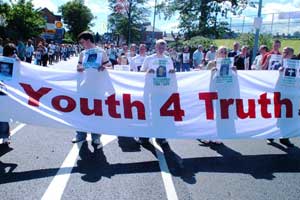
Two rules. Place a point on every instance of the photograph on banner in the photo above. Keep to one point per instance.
(122, 67)
(275, 62)
(289, 78)
(92, 58)
(161, 75)
(224, 70)
(6, 68)
(225, 82)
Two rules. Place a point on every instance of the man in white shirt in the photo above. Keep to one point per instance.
(29, 49)
(97, 59)
(156, 62)
(138, 60)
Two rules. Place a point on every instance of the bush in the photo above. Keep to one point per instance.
(193, 43)
(248, 39)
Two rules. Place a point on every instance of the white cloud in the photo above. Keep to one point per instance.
(45, 4)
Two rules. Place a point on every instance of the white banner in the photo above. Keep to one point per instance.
(198, 104)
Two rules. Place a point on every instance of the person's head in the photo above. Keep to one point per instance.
(160, 46)
(212, 48)
(276, 45)
(200, 48)
(244, 50)
(236, 46)
(142, 49)
(263, 49)
(29, 42)
(9, 50)
(125, 47)
(86, 39)
(287, 52)
(222, 52)
(186, 49)
(133, 47)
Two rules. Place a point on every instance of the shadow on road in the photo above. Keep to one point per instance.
(93, 165)
(128, 144)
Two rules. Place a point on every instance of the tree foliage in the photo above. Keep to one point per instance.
(22, 21)
(129, 23)
(199, 17)
(77, 17)
(248, 39)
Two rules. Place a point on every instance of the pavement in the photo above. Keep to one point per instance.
(42, 163)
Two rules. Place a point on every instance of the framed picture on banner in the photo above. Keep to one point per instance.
(92, 58)
(275, 62)
(6, 68)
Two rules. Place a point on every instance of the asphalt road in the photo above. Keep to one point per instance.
(42, 163)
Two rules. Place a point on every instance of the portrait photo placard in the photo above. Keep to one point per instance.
(6, 68)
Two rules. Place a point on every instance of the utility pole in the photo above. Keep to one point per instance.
(257, 31)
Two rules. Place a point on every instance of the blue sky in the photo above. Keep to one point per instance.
(100, 9)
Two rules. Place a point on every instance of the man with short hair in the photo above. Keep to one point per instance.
(29, 50)
(154, 63)
(98, 59)
(138, 60)
(267, 56)
(198, 57)
(235, 51)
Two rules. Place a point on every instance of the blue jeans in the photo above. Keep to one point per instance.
(82, 135)
(4, 130)
(186, 67)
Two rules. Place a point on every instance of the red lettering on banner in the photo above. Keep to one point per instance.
(71, 103)
(264, 102)
(279, 102)
(128, 107)
(112, 104)
(240, 109)
(208, 97)
(97, 108)
(34, 96)
(177, 113)
(224, 104)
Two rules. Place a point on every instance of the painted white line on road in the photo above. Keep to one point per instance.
(165, 173)
(57, 186)
(19, 127)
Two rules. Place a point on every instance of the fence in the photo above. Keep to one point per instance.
(284, 24)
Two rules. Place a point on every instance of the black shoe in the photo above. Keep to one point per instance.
(270, 141)
(286, 142)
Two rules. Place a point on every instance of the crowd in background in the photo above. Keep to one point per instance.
(42, 53)
(184, 59)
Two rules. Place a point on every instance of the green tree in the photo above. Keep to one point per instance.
(77, 17)
(128, 22)
(199, 17)
(22, 20)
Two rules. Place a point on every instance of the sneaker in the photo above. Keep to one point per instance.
(96, 141)
(78, 139)
(270, 141)
(286, 142)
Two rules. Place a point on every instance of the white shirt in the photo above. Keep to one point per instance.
(154, 61)
(137, 61)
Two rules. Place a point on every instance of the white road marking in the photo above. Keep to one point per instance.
(19, 127)
(165, 173)
(57, 186)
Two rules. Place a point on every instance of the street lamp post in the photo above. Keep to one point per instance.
(153, 30)
(257, 32)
